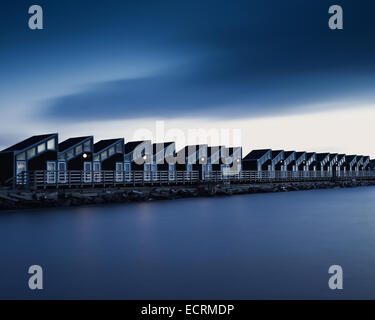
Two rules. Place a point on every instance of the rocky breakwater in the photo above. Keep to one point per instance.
(20, 199)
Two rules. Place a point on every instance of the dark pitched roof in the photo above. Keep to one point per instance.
(29, 142)
(275, 153)
(72, 142)
(300, 154)
(332, 156)
(288, 153)
(321, 156)
(256, 154)
(130, 146)
(309, 155)
(190, 150)
(102, 144)
(350, 158)
(156, 147)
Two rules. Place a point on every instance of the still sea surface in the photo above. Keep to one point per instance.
(276, 245)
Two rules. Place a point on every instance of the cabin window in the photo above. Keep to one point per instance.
(154, 167)
(51, 144)
(87, 146)
(96, 158)
(147, 167)
(61, 157)
(111, 151)
(126, 167)
(41, 148)
(51, 174)
(97, 173)
(21, 156)
(62, 176)
(103, 155)
(79, 150)
(30, 153)
(171, 167)
(70, 154)
(119, 148)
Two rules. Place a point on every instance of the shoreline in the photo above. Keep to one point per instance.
(30, 199)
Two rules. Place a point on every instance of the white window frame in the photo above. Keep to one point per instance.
(51, 172)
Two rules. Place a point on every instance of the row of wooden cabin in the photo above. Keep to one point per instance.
(44, 152)
(280, 160)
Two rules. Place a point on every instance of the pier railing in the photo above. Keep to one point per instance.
(73, 179)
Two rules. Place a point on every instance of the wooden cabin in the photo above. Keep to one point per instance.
(300, 160)
(366, 161)
(311, 162)
(371, 165)
(341, 164)
(138, 158)
(351, 162)
(75, 154)
(277, 162)
(332, 163)
(138, 155)
(215, 157)
(35, 153)
(193, 158)
(322, 161)
(235, 156)
(164, 158)
(289, 161)
(109, 156)
(257, 160)
(359, 165)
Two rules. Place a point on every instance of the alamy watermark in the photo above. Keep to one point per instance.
(336, 281)
(335, 22)
(36, 280)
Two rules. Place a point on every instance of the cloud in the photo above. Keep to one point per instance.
(241, 59)
(200, 93)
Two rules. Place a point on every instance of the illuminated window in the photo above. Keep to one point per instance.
(31, 153)
(96, 158)
(41, 148)
(111, 151)
(79, 150)
(61, 156)
(87, 146)
(21, 156)
(51, 144)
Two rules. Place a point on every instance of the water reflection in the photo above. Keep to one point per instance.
(250, 246)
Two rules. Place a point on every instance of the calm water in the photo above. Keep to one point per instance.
(250, 246)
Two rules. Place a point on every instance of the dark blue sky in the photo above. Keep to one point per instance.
(128, 59)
